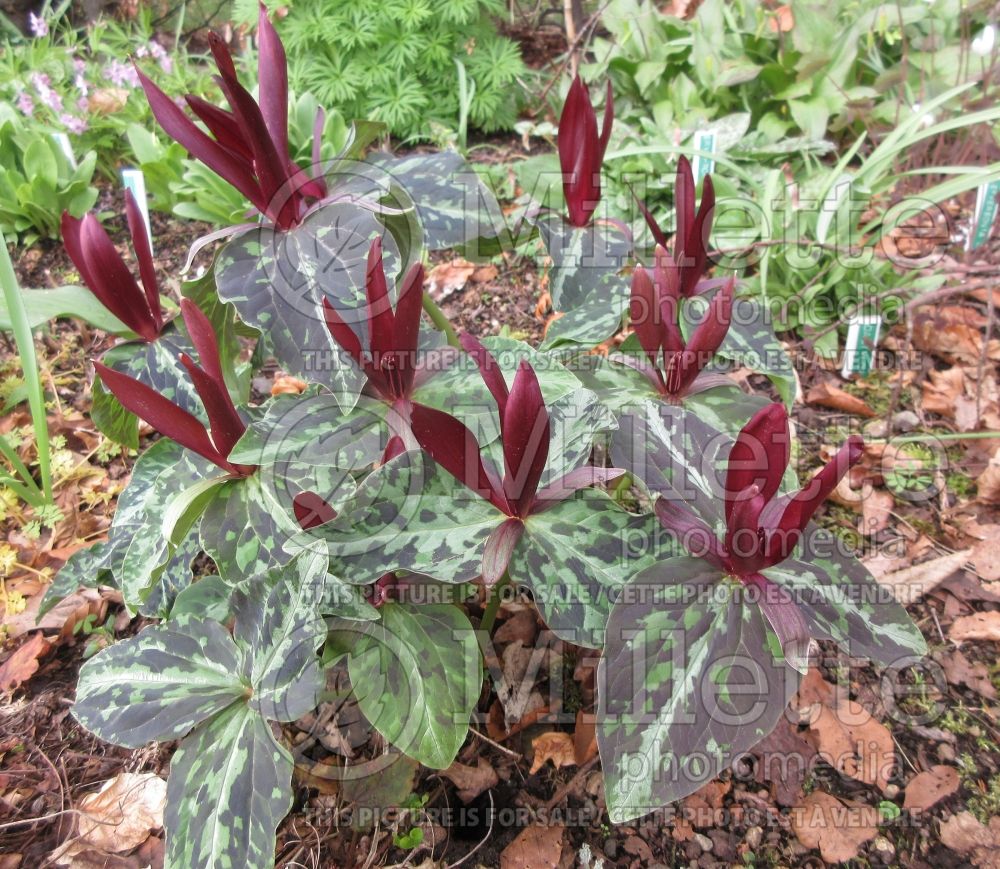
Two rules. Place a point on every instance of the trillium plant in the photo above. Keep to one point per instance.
(367, 528)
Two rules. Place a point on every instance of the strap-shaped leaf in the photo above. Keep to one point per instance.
(417, 674)
(160, 683)
(692, 675)
(575, 557)
(408, 515)
(229, 788)
(841, 601)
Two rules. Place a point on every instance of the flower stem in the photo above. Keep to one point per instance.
(493, 604)
(441, 321)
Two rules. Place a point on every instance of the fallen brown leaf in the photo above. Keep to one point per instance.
(876, 511)
(978, 626)
(838, 829)
(485, 274)
(958, 669)
(119, 817)
(471, 781)
(988, 482)
(782, 20)
(447, 278)
(912, 583)
(985, 558)
(828, 394)
(968, 836)
(930, 787)
(584, 737)
(556, 746)
(107, 101)
(945, 336)
(23, 662)
(288, 385)
(536, 847)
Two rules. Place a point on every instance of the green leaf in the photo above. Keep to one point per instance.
(408, 515)
(229, 788)
(160, 683)
(576, 556)
(585, 262)
(70, 301)
(843, 602)
(455, 209)
(594, 318)
(692, 675)
(417, 675)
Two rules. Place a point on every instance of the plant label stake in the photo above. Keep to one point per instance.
(62, 140)
(134, 180)
(984, 215)
(704, 141)
(862, 338)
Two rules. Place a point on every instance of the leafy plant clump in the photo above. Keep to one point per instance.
(401, 63)
(351, 524)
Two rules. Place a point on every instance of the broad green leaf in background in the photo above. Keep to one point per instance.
(417, 675)
(69, 301)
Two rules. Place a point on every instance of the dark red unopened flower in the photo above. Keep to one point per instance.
(525, 432)
(248, 146)
(106, 275)
(581, 151)
(693, 227)
(225, 425)
(389, 362)
(675, 365)
(761, 530)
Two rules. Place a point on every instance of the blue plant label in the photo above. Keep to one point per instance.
(862, 338)
(134, 180)
(985, 214)
(704, 140)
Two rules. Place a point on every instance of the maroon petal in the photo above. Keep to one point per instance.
(226, 164)
(525, 431)
(272, 75)
(106, 266)
(568, 484)
(693, 534)
(695, 253)
(683, 207)
(659, 236)
(455, 449)
(225, 423)
(644, 314)
(162, 414)
(743, 540)
(407, 324)
(395, 447)
(489, 369)
(759, 456)
(144, 254)
(499, 549)
(311, 510)
(381, 321)
(785, 618)
(203, 337)
(341, 332)
(579, 156)
(709, 335)
(72, 229)
(223, 125)
(667, 283)
(801, 506)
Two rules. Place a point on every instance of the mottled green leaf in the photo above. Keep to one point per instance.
(692, 675)
(417, 675)
(584, 260)
(575, 556)
(229, 787)
(160, 683)
(594, 318)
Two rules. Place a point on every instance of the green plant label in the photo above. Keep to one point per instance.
(862, 338)
(985, 213)
(704, 141)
